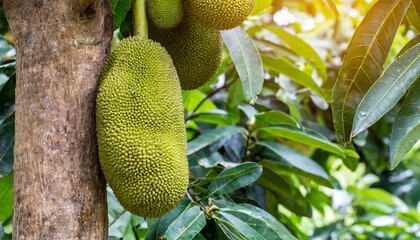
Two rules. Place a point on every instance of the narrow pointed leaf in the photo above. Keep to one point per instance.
(121, 227)
(312, 169)
(280, 65)
(274, 117)
(228, 228)
(247, 232)
(364, 61)
(388, 89)
(157, 231)
(406, 129)
(211, 140)
(120, 8)
(187, 225)
(299, 135)
(266, 225)
(234, 178)
(247, 61)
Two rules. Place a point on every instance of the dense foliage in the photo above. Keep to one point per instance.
(266, 160)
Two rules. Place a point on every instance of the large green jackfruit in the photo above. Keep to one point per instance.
(195, 50)
(220, 14)
(165, 13)
(140, 128)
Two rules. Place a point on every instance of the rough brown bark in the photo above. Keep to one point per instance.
(59, 191)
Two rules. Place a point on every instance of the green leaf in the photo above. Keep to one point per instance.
(363, 64)
(217, 116)
(187, 225)
(199, 237)
(274, 117)
(302, 48)
(6, 197)
(211, 161)
(234, 178)
(235, 147)
(388, 89)
(280, 65)
(230, 230)
(374, 199)
(211, 140)
(126, 25)
(234, 228)
(120, 8)
(413, 15)
(247, 61)
(262, 222)
(297, 160)
(284, 191)
(248, 110)
(236, 94)
(299, 135)
(192, 99)
(115, 209)
(161, 225)
(121, 227)
(406, 128)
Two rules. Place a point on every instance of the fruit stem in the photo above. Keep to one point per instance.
(139, 18)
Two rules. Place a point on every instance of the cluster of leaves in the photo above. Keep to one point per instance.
(256, 167)
(363, 92)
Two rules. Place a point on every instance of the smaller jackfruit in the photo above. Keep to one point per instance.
(220, 14)
(140, 128)
(165, 13)
(195, 50)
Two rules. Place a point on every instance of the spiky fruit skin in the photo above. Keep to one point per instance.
(140, 128)
(165, 13)
(220, 14)
(195, 50)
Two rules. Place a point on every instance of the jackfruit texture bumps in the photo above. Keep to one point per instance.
(195, 50)
(220, 14)
(140, 128)
(165, 13)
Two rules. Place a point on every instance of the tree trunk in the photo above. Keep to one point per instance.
(61, 45)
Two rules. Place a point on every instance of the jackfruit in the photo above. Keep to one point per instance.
(165, 13)
(220, 14)
(140, 128)
(195, 50)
